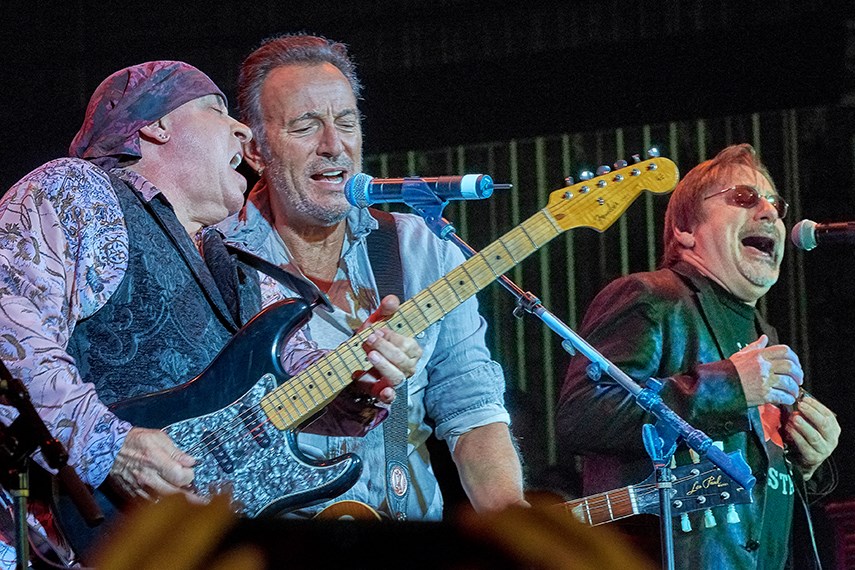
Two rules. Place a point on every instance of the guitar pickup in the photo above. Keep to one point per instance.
(255, 426)
(212, 442)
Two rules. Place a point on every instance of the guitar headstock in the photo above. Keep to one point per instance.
(695, 487)
(704, 486)
(599, 201)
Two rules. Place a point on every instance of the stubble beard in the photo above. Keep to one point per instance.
(759, 273)
(321, 215)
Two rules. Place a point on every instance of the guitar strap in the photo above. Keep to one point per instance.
(385, 256)
(216, 253)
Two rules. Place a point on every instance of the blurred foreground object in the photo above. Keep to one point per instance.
(177, 535)
(544, 537)
(174, 534)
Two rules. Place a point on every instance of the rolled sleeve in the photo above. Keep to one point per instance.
(466, 387)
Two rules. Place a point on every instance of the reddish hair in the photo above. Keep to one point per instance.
(684, 208)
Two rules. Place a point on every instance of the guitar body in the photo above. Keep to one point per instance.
(348, 511)
(216, 417)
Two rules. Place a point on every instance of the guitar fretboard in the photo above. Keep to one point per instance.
(605, 507)
(306, 394)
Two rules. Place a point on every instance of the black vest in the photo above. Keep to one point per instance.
(167, 320)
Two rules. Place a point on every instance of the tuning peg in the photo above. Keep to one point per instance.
(685, 523)
(569, 181)
(636, 158)
(709, 519)
(673, 462)
(653, 152)
(620, 164)
(694, 455)
(586, 175)
(732, 515)
(603, 170)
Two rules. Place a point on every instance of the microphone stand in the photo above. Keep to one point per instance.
(660, 440)
(20, 440)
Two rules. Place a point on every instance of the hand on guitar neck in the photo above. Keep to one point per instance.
(394, 356)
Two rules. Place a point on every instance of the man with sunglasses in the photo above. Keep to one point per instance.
(693, 324)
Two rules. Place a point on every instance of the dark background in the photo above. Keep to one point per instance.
(454, 72)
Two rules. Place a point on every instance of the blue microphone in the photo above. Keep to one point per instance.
(363, 190)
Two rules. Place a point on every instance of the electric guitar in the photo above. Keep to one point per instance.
(695, 487)
(239, 417)
(700, 486)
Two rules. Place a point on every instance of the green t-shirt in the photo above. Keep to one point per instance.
(774, 537)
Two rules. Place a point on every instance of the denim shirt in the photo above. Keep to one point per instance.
(457, 386)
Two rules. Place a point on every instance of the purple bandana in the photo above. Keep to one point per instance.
(130, 99)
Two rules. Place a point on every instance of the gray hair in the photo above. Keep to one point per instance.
(289, 49)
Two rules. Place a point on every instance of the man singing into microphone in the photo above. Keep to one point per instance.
(693, 324)
(299, 95)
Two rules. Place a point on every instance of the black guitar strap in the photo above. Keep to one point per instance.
(385, 256)
(216, 253)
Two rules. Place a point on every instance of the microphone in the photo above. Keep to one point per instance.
(807, 234)
(363, 190)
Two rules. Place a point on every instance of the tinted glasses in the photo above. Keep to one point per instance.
(748, 197)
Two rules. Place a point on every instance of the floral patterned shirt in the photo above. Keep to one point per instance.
(63, 253)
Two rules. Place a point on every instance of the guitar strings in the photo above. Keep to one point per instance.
(549, 214)
(565, 207)
(290, 389)
(601, 503)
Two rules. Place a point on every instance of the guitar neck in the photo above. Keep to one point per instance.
(605, 507)
(290, 404)
(594, 203)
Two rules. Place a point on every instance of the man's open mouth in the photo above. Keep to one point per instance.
(334, 176)
(761, 243)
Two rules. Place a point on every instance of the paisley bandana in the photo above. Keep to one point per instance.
(130, 99)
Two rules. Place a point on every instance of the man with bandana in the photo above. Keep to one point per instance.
(104, 295)
(693, 325)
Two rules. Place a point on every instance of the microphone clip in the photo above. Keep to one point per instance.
(419, 196)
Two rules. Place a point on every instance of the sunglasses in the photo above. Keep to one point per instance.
(748, 197)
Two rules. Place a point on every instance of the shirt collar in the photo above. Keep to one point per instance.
(138, 181)
(254, 222)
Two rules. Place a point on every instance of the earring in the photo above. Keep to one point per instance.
(260, 170)
(163, 136)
